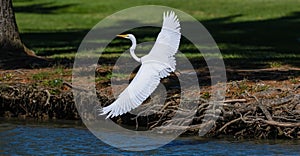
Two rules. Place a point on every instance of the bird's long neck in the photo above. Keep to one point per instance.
(132, 48)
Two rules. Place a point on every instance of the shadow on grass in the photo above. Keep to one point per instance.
(41, 8)
(256, 43)
(52, 43)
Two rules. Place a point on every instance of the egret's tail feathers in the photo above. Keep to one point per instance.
(171, 21)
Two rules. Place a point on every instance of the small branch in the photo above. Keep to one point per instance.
(262, 107)
(73, 87)
(234, 100)
(283, 101)
(281, 124)
(229, 123)
(48, 97)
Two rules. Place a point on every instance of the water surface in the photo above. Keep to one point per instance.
(71, 138)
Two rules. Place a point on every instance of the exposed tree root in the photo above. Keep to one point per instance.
(247, 112)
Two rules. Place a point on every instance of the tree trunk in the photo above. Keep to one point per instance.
(12, 50)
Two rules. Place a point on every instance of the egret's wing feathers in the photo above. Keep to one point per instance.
(156, 65)
(170, 32)
(167, 42)
(140, 88)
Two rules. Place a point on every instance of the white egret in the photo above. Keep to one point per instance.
(156, 65)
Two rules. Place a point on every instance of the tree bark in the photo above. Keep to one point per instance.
(12, 50)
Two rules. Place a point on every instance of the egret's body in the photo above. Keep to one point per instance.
(156, 65)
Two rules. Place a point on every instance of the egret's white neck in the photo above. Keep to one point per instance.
(132, 48)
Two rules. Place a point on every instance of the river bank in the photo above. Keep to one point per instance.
(252, 109)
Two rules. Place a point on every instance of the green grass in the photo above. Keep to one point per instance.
(249, 33)
(40, 76)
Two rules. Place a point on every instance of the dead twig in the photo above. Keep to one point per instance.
(74, 87)
(48, 97)
(234, 100)
(262, 107)
(229, 123)
(280, 124)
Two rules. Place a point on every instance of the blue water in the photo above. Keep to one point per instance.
(57, 139)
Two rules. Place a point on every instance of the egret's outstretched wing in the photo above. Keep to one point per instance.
(167, 42)
(140, 88)
(156, 65)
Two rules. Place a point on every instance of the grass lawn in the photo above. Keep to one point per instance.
(249, 33)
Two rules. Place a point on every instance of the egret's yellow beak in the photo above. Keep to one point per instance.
(123, 36)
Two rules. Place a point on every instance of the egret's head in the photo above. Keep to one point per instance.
(128, 36)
